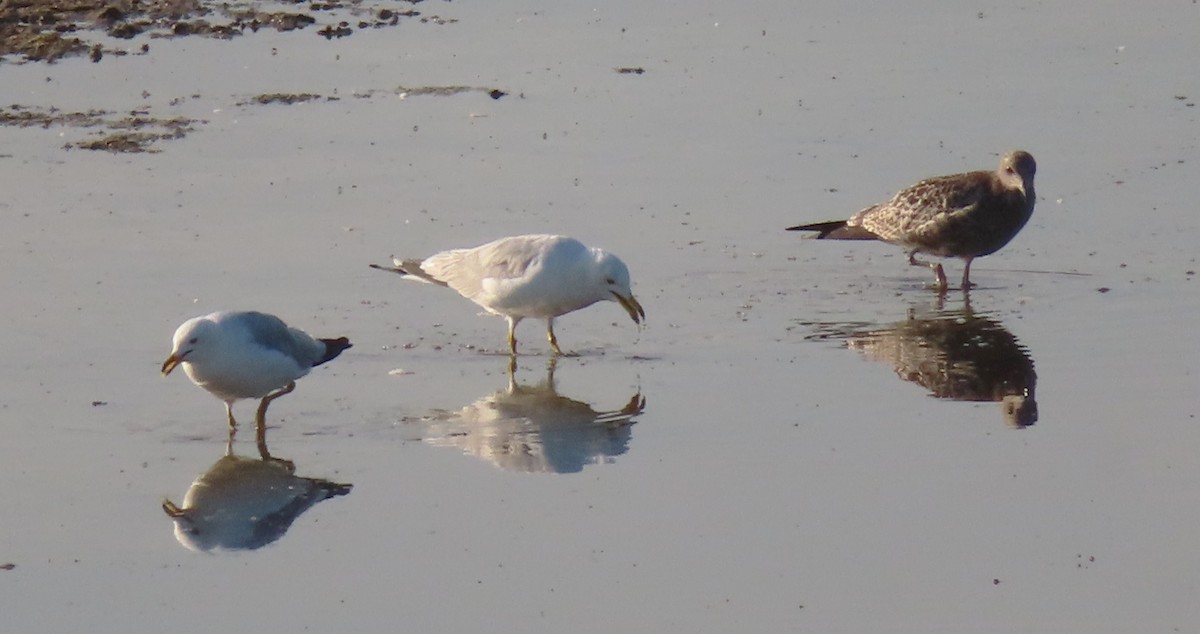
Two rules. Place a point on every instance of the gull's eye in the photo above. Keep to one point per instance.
(610, 280)
(193, 340)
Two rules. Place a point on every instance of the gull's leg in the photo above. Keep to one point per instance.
(229, 415)
(936, 267)
(966, 281)
(550, 335)
(550, 367)
(512, 334)
(261, 417)
(260, 439)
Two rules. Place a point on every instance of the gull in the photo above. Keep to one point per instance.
(542, 276)
(962, 215)
(237, 355)
(531, 427)
(244, 503)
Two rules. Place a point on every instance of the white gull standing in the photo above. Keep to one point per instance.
(237, 355)
(541, 276)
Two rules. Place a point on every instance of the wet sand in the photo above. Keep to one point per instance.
(791, 466)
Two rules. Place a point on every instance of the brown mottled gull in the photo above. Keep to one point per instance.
(962, 215)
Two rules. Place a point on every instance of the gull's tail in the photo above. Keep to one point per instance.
(410, 269)
(333, 347)
(835, 230)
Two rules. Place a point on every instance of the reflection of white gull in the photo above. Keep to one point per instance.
(236, 355)
(534, 429)
(956, 355)
(963, 215)
(244, 503)
(539, 276)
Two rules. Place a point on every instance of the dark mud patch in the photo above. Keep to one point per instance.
(133, 132)
(437, 91)
(284, 98)
(25, 117)
(49, 30)
(139, 131)
(403, 92)
(135, 141)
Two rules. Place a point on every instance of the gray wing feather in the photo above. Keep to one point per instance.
(269, 331)
(475, 272)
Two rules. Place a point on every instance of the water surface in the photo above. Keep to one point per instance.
(790, 468)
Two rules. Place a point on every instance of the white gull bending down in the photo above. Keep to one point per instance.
(237, 355)
(540, 276)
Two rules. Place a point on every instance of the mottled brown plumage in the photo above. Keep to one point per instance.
(962, 215)
(955, 354)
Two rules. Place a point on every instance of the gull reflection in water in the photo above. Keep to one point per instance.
(244, 503)
(531, 428)
(955, 354)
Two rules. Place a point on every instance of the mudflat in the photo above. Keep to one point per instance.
(803, 435)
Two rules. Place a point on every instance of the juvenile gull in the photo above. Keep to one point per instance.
(540, 276)
(237, 355)
(963, 215)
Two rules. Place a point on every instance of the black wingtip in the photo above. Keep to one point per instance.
(334, 347)
(835, 230)
(389, 269)
(823, 228)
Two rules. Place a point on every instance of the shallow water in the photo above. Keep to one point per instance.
(794, 465)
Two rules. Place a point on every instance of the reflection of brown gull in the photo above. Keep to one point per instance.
(534, 429)
(956, 355)
(963, 215)
(244, 503)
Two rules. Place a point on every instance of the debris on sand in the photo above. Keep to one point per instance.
(39, 31)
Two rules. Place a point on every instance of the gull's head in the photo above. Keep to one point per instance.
(1017, 170)
(614, 279)
(192, 339)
